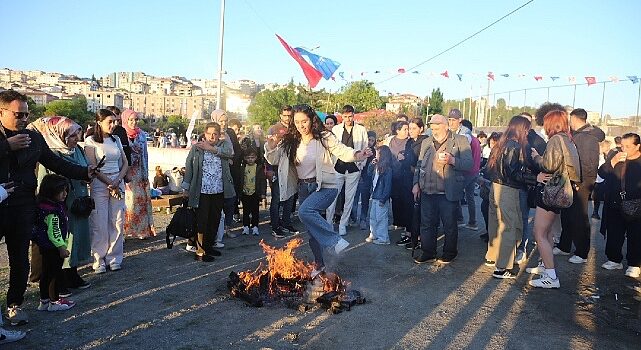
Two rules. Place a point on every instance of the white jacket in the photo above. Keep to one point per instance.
(359, 136)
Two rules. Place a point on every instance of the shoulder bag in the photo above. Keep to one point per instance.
(630, 208)
(557, 192)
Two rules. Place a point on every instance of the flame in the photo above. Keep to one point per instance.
(285, 273)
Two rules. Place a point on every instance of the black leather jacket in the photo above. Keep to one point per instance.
(509, 168)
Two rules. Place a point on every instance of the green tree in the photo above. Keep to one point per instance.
(436, 102)
(266, 106)
(178, 123)
(362, 95)
(35, 110)
(75, 108)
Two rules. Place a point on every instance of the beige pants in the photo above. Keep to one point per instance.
(505, 227)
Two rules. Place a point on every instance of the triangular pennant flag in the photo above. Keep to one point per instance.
(312, 74)
(322, 64)
(590, 80)
(415, 72)
(460, 77)
(633, 78)
(505, 75)
(490, 76)
(445, 74)
(538, 77)
(342, 75)
(401, 70)
(362, 74)
(521, 75)
(333, 78)
(554, 78)
(572, 80)
(614, 79)
(377, 71)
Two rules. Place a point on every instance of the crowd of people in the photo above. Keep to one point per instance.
(417, 178)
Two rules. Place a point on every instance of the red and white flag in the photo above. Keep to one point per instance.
(590, 80)
(445, 74)
(490, 76)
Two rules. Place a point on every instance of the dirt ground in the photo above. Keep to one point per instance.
(163, 299)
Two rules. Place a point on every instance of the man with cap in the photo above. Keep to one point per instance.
(455, 122)
(443, 160)
(219, 116)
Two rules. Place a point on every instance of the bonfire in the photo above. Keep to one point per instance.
(287, 278)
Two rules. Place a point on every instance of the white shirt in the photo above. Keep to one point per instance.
(110, 149)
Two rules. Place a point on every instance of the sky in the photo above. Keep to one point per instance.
(167, 37)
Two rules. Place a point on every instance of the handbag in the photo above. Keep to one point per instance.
(557, 192)
(630, 208)
(82, 206)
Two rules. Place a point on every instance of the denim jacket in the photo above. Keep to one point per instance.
(383, 189)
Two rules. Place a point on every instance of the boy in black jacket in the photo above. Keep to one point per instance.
(254, 187)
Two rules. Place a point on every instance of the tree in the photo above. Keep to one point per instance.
(265, 108)
(75, 108)
(362, 95)
(436, 102)
(35, 110)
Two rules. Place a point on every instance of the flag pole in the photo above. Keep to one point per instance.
(602, 100)
(638, 98)
(574, 96)
(220, 54)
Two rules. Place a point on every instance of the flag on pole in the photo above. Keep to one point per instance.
(490, 76)
(590, 80)
(633, 78)
(401, 70)
(538, 78)
(572, 80)
(312, 74)
(322, 64)
(554, 78)
(445, 74)
(505, 75)
(614, 79)
(460, 77)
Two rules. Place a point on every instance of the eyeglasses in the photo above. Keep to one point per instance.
(18, 115)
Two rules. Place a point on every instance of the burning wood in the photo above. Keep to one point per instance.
(286, 278)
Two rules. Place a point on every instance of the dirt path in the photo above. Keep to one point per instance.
(164, 299)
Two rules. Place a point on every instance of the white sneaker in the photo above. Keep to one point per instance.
(340, 246)
(611, 265)
(7, 336)
(190, 248)
(557, 251)
(342, 230)
(380, 242)
(218, 245)
(114, 267)
(255, 231)
(633, 271)
(545, 282)
(370, 238)
(245, 230)
(100, 269)
(538, 270)
(61, 305)
(575, 259)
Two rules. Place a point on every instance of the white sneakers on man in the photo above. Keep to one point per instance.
(611, 265)
(575, 259)
(557, 251)
(545, 282)
(633, 271)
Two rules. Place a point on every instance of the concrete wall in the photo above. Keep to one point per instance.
(167, 158)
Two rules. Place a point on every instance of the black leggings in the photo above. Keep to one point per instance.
(208, 218)
(51, 278)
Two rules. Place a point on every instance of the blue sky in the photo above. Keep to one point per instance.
(163, 38)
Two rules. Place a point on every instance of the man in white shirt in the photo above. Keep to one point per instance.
(355, 136)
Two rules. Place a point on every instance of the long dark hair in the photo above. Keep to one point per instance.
(291, 141)
(517, 130)
(384, 162)
(101, 115)
(52, 185)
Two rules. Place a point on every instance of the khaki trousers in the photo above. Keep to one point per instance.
(505, 227)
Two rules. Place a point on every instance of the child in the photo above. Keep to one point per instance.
(364, 190)
(381, 171)
(50, 234)
(253, 190)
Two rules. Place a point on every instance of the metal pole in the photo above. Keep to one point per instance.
(574, 96)
(548, 94)
(638, 98)
(602, 100)
(524, 97)
(220, 54)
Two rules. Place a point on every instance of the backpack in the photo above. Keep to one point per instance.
(182, 224)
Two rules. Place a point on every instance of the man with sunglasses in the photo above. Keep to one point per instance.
(20, 151)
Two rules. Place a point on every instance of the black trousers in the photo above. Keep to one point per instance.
(251, 204)
(208, 218)
(16, 223)
(617, 230)
(435, 208)
(575, 224)
(51, 278)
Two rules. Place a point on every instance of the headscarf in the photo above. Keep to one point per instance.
(56, 131)
(124, 117)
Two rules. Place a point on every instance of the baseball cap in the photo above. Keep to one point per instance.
(438, 119)
(276, 129)
(455, 113)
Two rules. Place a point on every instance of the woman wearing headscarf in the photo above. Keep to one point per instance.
(62, 135)
(139, 222)
(402, 203)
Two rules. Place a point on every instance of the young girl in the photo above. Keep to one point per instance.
(381, 171)
(50, 234)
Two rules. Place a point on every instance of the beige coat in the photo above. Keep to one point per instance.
(325, 173)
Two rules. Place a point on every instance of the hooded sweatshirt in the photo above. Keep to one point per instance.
(587, 139)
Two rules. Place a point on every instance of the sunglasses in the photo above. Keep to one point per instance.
(18, 115)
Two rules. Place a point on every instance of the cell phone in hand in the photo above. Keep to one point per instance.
(101, 163)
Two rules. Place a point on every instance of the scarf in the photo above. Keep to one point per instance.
(124, 117)
(397, 145)
(56, 132)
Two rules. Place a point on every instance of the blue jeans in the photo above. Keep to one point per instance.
(311, 205)
(436, 208)
(525, 213)
(364, 192)
(276, 204)
(378, 220)
(470, 187)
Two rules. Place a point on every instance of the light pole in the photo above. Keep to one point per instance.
(220, 53)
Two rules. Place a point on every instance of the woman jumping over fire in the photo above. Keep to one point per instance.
(304, 159)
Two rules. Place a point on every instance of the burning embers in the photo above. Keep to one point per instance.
(287, 279)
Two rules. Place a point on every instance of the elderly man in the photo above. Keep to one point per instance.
(20, 151)
(443, 160)
(355, 136)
